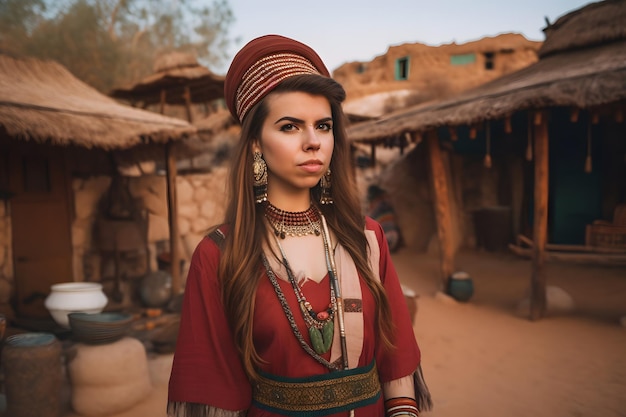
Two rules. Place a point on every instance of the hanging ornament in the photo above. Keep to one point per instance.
(508, 128)
(588, 164)
(595, 118)
(453, 135)
(472, 133)
(487, 160)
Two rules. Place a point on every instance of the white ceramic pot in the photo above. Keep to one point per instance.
(74, 297)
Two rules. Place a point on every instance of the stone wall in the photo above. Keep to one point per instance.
(201, 204)
(198, 210)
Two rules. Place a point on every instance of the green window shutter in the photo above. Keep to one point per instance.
(464, 59)
(402, 68)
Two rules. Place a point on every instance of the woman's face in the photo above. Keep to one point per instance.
(296, 142)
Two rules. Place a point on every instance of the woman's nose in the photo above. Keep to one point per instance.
(311, 141)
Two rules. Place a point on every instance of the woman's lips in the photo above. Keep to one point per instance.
(312, 166)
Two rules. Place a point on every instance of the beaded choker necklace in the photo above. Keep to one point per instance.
(293, 223)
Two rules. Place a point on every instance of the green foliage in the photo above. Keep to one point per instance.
(111, 43)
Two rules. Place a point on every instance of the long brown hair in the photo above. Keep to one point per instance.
(240, 266)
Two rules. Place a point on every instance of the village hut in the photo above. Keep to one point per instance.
(178, 80)
(217, 135)
(553, 133)
(55, 129)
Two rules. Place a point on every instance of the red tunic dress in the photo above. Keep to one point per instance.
(207, 369)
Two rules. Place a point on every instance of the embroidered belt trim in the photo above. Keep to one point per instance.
(320, 395)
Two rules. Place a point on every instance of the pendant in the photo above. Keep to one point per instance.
(322, 340)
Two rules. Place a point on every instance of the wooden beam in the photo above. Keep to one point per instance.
(586, 258)
(523, 240)
(442, 206)
(540, 218)
(172, 212)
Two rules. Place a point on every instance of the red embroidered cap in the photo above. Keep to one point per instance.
(261, 65)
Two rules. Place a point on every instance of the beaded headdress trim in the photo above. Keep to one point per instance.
(265, 74)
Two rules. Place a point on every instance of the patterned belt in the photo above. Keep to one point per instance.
(319, 395)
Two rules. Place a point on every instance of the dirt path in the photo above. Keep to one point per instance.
(482, 359)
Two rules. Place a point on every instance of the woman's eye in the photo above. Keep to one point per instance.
(288, 127)
(325, 126)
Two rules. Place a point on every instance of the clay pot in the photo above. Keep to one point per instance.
(156, 289)
(460, 286)
(34, 373)
(74, 297)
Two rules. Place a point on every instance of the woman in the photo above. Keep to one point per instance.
(381, 210)
(293, 307)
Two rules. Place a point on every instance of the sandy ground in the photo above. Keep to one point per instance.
(481, 359)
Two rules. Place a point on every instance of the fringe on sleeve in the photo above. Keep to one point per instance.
(422, 394)
(184, 409)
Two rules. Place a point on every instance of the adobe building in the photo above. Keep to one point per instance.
(416, 72)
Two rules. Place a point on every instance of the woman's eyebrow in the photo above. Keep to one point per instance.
(289, 119)
(300, 121)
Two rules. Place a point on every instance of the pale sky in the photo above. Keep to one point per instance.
(358, 30)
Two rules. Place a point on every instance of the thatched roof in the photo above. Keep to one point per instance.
(594, 24)
(43, 101)
(173, 73)
(581, 78)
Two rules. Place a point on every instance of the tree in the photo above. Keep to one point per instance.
(108, 43)
(18, 18)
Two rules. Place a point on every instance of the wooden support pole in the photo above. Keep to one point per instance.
(442, 206)
(187, 96)
(162, 101)
(172, 212)
(540, 218)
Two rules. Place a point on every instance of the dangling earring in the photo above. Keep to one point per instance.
(259, 168)
(325, 184)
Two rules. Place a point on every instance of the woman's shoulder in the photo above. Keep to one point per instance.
(211, 244)
(218, 235)
(373, 226)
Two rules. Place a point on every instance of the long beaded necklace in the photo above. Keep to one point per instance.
(293, 223)
(336, 365)
(321, 325)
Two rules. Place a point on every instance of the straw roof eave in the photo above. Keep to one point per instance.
(203, 90)
(204, 86)
(107, 132)
(582, 79)
(43, 102)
